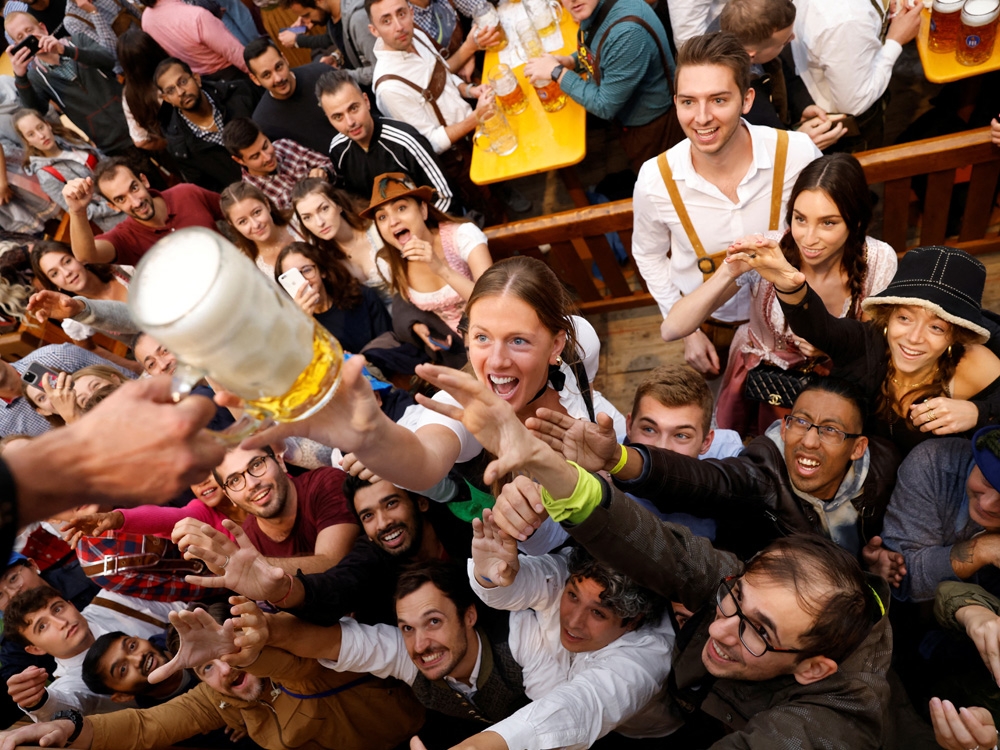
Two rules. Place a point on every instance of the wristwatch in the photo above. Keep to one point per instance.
(556, 72)
(76, 717)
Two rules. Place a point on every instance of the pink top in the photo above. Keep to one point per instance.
(159, 520)
(194, 35)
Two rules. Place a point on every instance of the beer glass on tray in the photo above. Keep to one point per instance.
(978, 31)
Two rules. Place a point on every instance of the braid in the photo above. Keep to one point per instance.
(856, 273)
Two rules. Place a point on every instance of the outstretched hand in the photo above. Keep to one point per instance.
(494, 552)
(962, 728)
(202, 640)
(765, 257)
(519, 510)
(884, 562)
(56, 305)
(238, 566)
(93, 524)
(592, 446)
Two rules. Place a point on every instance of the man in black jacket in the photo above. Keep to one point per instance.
(193, 116)
(812, 472)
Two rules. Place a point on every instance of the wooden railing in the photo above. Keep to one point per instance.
(577, 242)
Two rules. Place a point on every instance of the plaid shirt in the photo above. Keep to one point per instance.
(295, 161)
(212, 136)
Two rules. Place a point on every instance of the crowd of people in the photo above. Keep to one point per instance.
(786, 542)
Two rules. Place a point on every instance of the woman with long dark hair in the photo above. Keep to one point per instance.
(828, 213)
(139, 54)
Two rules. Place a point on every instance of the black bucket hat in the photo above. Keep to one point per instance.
(946, 281)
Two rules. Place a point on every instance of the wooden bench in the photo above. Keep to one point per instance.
(577, 237)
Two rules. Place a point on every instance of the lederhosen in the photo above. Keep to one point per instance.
(455, 162)
(721, 332)
(640, 142)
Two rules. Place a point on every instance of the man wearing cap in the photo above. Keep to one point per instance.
(944, 515)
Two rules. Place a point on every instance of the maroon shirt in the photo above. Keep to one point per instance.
(187, 206)
(321, 504)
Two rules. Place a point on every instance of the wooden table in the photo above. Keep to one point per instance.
(545, 140)
(944, 67)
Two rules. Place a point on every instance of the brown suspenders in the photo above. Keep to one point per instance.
(708, 263)
(435, 87)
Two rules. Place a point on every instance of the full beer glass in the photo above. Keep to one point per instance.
(978, 32)
(508, 89)
(550, 95)
(488, 18)
(205, 301)
(946, 20)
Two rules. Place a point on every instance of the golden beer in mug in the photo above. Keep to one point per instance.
(550, 95)
(488, 18)
(508, 90)
(978, 32)
(206, 302)
(946, 22)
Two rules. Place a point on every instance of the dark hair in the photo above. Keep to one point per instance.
(165, 65)
(139, 55)
(634, 604)
(241, 191)
(258, 47)
(21, 607)
(753, 22)
(239, 134)
(333, 81)
(352, 485)
(108, 168)
(838, 387)
(311, 185)
(842, 179)
(674, 386)
(308, 4)
(829, 585)
(717, 48)
(43, 247)
(887, 407)
(447, 577)
(91, 673)
(368, 9)
(58, 129)
(343, 290)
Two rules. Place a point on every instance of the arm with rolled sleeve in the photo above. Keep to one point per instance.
(400, 102)
(378, 649)
(651, 240)
(617, 683)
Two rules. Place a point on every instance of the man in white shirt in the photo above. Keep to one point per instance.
(725, 177)
(844, 53)
(691, 18)
(45, 623)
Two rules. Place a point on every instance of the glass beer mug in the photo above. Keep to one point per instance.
(508, 89)
(495, 134)
(978, 31)
(946, 18)
(206, 302)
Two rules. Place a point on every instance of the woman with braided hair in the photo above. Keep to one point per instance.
(828, 213)
(920, 359)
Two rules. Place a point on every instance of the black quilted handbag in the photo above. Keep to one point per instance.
(770, 384)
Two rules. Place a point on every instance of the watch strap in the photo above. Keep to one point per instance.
(76, 717)
(557, 71)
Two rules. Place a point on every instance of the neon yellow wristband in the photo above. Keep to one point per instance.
(621, 462)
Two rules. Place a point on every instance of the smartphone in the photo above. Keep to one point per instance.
(36, 373)
(848, 122)
(291, 281)
(440, 344)
(296, 29)
(31, 42)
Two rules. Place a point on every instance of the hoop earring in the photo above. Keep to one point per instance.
(885, 331)
(949, 350)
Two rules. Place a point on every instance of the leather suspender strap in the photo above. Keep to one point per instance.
(128, 612)
(435, 86)
(706, 263)
(656, 41)
(778, 183)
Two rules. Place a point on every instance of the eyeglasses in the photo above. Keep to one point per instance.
(182, 83)
(238, 481)
(752, 636)
(827, 434)
(308, 272)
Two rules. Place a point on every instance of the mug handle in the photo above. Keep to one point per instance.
(184, 380)
(478, 136)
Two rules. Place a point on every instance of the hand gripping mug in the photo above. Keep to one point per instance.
(206, 302)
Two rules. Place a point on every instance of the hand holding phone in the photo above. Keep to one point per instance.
(291, 281)
(36, 373)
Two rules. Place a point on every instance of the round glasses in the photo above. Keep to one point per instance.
(256, 468)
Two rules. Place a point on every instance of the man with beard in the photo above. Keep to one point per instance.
(400, 529)
(279, 700)
(151, 214)
(118, 665)
(300, 523)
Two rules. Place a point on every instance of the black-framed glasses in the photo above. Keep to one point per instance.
(308, 271)
(751, 635)
(827, 434)
(238, 481)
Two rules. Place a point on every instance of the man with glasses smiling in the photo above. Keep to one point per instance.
(811, 472)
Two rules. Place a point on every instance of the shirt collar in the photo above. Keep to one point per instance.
(474, 677)
(762, 157)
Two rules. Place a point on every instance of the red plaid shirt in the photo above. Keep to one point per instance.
(295, 161)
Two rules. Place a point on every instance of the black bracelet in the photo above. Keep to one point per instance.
(76, 717)
(796, 290)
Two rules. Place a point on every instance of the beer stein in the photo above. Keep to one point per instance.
(207, 303)
(978, 31)
(540, 13)
(488, 18)
(495, 134)
(946, 18)
(527, 35)
(550, 94)
(508, 90)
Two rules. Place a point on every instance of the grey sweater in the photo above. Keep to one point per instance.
(99, 211)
